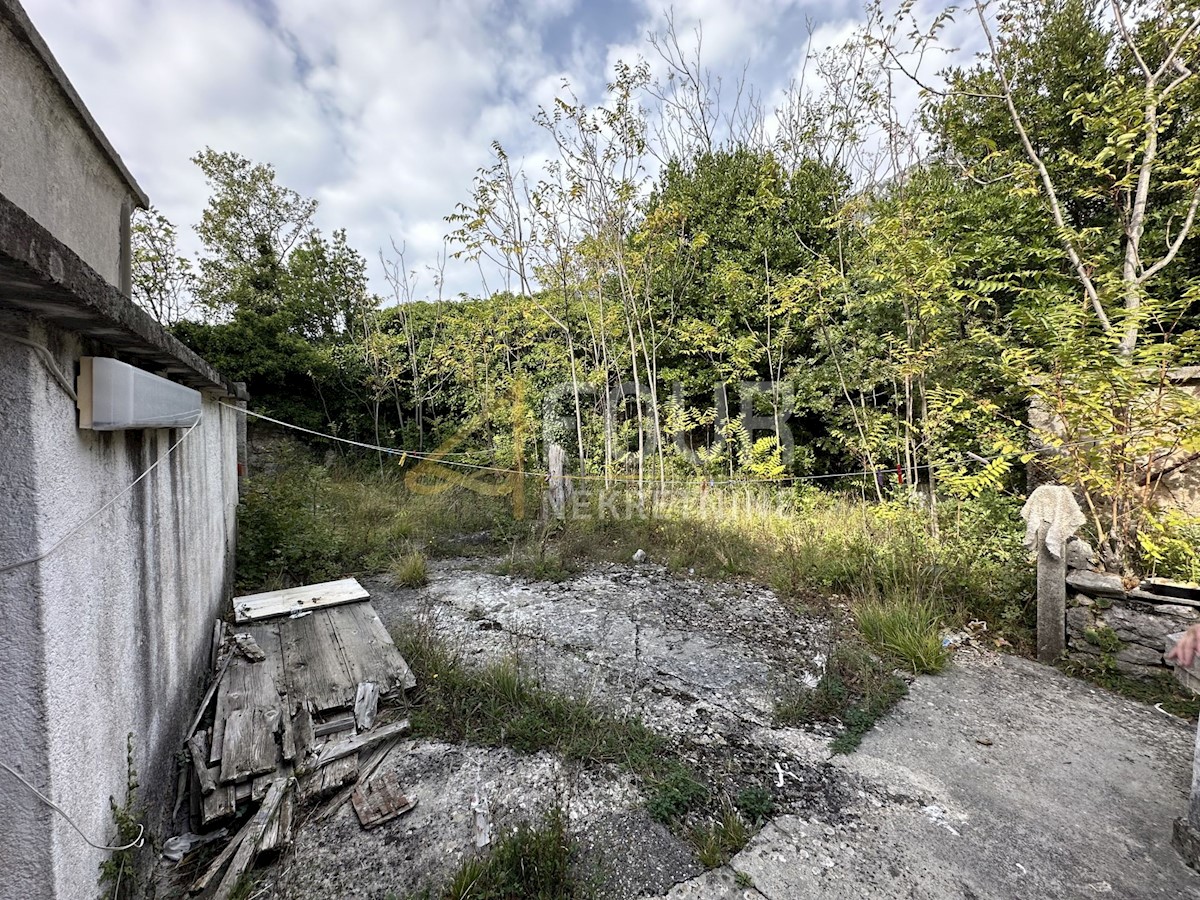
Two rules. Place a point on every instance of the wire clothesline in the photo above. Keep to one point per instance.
(438, 458)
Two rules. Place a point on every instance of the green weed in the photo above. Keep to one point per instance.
(856, 690)
(716, 842)
(532, 862)
(905, 630)
(410, 570)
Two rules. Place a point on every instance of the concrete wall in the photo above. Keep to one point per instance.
(50, 164)
(110, 635)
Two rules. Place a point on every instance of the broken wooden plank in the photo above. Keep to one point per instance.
(366, 703)
(369, 647)
(208, 696)
(336, 725)
(244, 857)
(380, 800)
(218, 863)
(336, 750)
(365, 771)
(248, 647)
(338, 774)
(218, 639)
(250, 747)
(198, 746)
(277, 836)
(287, 740)
(303, 733)
(292, 600)
(316, 666)
(245, 685)
(220, 804)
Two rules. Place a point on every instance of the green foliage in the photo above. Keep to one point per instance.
(119, 875)
(756, 804)
(856, 689)
(674, 792)
(529, 862)
(1103, 637)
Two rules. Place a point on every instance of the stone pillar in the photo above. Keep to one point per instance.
(1052, 516)
(1051, 602)
(558, 487)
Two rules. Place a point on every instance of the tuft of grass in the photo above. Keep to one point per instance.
(718, 841)
(856, 690)
(532, 861)
(905, 630)
(410, 570)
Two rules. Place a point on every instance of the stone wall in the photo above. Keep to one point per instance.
(1107, 621)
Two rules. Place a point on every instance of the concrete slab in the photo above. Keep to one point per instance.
(1000, 778)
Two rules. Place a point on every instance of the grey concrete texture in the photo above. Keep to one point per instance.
(1021, 782)
(109, 636)
(50, 163)
(1000, 778)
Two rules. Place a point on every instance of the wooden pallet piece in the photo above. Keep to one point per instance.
(365, 771)
(336, 750)
(245, 685)
(315, 662)
(289, 601)
(277, 836)
(198, 747)
(370, 649)
(380, 800)
(366, 704)
(244, 858)
(220, 804)
(250, 746)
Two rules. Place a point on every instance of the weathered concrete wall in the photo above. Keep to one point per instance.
(110, 635)
(50, 164)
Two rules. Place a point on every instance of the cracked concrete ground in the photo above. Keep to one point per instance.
(989, 781)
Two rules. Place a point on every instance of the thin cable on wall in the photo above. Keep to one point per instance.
(48, 358)
(79, 527)
(136, 842)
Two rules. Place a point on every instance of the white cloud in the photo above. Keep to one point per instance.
(381, 109)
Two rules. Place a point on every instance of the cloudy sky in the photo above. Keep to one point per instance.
(383, 110)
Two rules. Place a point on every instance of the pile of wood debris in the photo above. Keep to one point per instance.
(291, 719)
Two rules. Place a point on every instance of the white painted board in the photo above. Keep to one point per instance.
(253, 607)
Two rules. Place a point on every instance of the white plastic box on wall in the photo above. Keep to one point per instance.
(115, 396)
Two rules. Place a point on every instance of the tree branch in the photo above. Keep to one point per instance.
(1047, 183)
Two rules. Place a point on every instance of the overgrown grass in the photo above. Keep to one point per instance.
(717, 841)
(410, 570)
(904, 630)
(532, 862)
(305, 523)
(856, 689)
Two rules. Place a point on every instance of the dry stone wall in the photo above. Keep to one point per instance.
(1107, 621)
